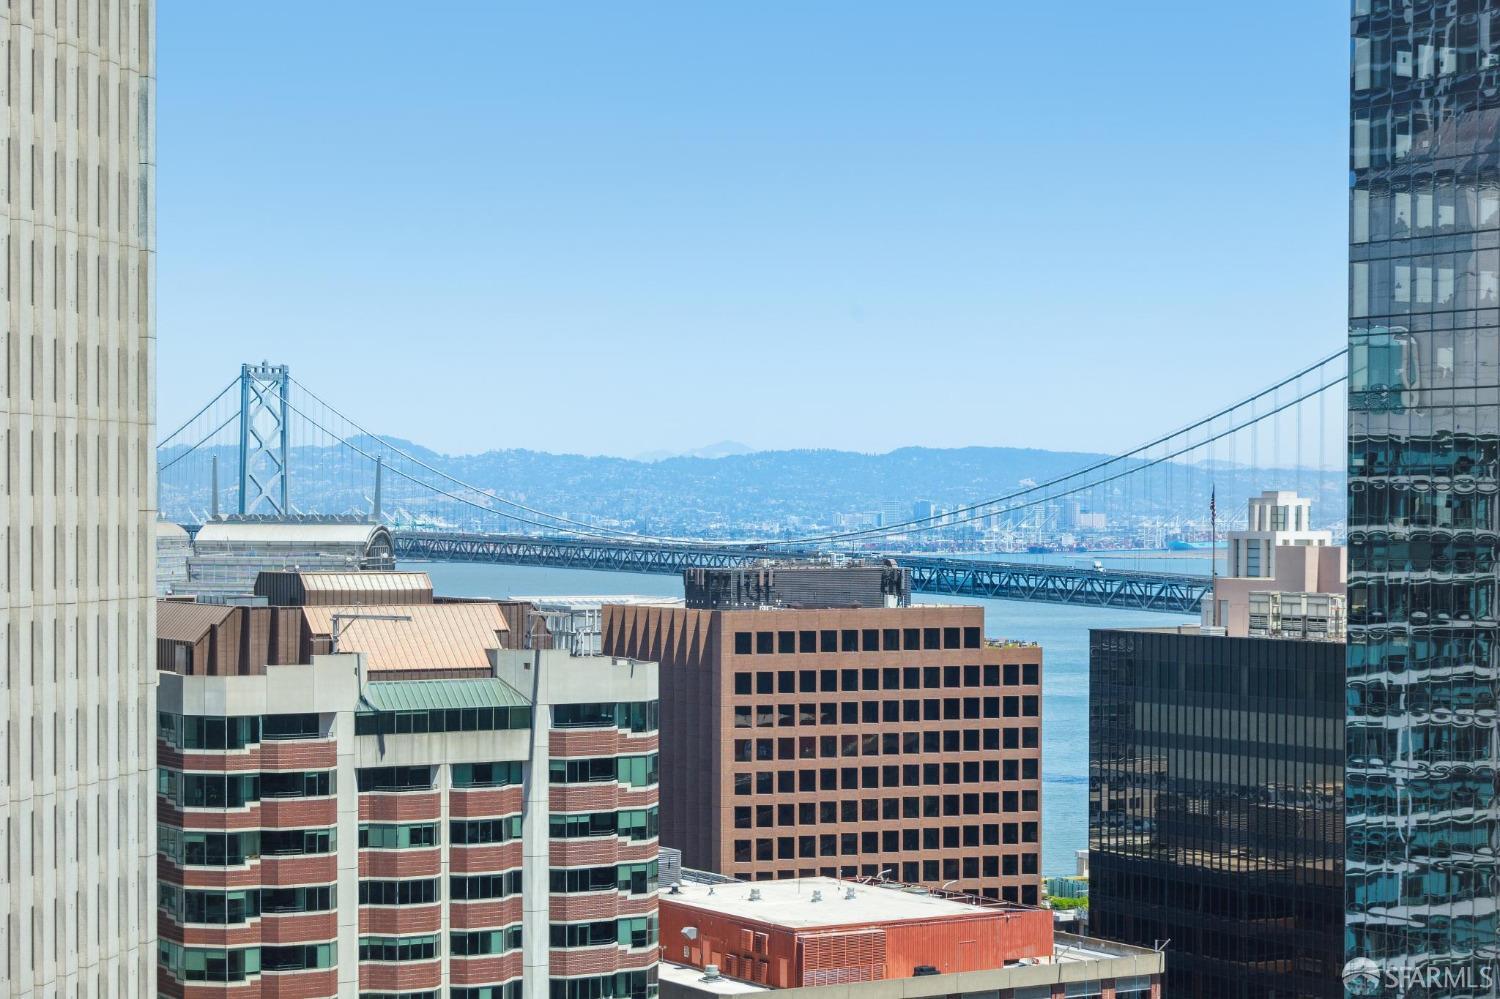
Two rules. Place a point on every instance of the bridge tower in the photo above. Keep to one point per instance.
(264, 427)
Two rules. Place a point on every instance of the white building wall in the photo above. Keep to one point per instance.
(77, 498)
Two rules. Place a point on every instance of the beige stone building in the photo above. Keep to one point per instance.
(77, 497)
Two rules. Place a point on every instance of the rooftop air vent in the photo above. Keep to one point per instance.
(711, 973)
(755, 894)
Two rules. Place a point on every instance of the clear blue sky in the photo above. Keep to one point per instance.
(611, 228)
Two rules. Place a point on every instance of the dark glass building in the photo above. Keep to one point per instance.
(1216, 770)
(1424, 282)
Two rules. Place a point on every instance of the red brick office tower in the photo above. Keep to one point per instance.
(813, 722)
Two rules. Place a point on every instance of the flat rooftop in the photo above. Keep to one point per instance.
(789, 902)
(723, 986)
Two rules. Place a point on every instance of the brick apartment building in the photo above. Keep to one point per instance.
(424, 813)
(814, 723)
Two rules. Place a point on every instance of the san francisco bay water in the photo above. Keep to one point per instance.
(1062, 631)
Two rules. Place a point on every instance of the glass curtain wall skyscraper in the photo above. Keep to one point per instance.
(1423, 820)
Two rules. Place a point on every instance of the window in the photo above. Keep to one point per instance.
(742, 643)
(475, 832)
(742, 684)
(417, 891)
(290, 727)
(634, 716)
(191, 848)
(394, 779)
(209, 964)
(488, 719)
(482, 886)
(298, 957)
(311, 784)
(214, 908)
(209, 790)
(502, 774)
(313, 898)
(382, 836)
(585, 771)
(636, 879)
(482, 942)
(638, 771)
(418, 948)
(599, 933)
(620, 985)
(284, 842)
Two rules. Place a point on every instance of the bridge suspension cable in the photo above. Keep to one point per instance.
(577, 528)
(202, 440)
(1018, 500)
(337, 452)
(189, 421)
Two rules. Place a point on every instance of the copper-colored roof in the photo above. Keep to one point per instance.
(438, 636)
(295, 588)
(180, 621)
(415, 582)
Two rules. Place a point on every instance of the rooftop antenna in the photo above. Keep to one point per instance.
(336, 628)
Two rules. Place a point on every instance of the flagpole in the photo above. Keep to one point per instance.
(1213, 551)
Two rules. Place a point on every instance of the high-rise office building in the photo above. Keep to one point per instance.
(77, 501)
(426, 812)
(816, 724)
(1424, 435)
(1216, 807)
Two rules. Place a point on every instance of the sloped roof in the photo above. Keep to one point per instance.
(181, 621)
(438, 636)
(382, 581)
(426, 695)
(310, 535)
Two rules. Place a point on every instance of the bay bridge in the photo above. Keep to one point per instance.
(284, 451)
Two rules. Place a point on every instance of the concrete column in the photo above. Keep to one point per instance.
(537, 860)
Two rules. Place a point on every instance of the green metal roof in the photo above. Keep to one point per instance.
(428, 695)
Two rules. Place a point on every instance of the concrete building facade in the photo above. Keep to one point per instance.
(846, 741)
(1282, 575)
(77, 501)
(378, 822)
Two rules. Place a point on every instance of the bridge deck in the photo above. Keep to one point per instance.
(1123, 589)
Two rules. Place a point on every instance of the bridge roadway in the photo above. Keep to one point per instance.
(1126, 590)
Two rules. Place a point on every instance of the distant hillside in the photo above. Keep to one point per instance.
(754, 493)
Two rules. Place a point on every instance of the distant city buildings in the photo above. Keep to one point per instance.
(364, 791)
(816, 724)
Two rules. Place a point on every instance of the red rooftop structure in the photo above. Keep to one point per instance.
(824, 931)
